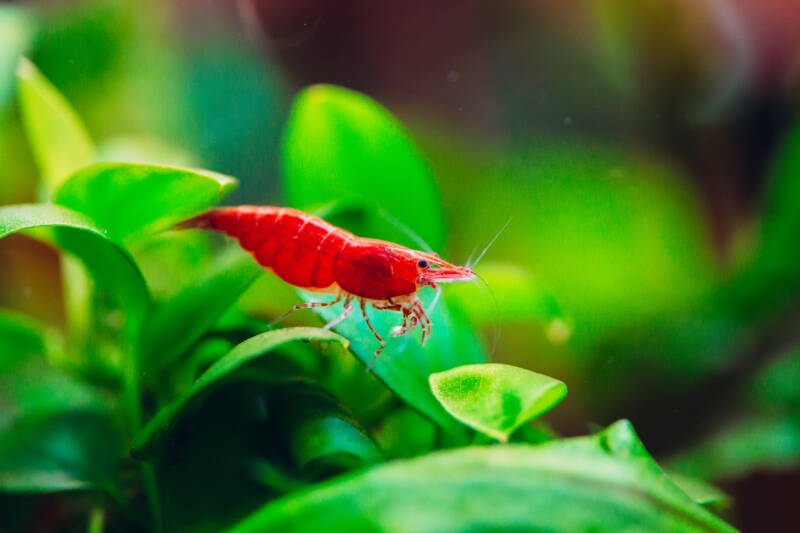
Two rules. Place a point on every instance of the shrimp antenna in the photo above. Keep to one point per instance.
(471, 255)
(490, 244)
(394, 221)
(495, 328)
(488, 288)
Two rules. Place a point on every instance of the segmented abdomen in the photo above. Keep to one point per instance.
(300, 248)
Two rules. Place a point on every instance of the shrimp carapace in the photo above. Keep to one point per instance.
(312, 254)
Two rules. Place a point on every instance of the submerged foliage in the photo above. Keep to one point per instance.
(173, 406)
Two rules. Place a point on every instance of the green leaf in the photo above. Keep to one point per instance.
(701, 492)
(780, 219)
(405, 364)
(16, 31)
(55, 432)
(775, 386)
(69, 451)
(534, 433)
(202, 356)
(172, 260)
(20, 338)
(496, 399)
(320, 435)
(362, 392)
(268, 297)
(58, 138)
(110, 265)
(158, 430)
(405, 433)
(129, 199)
(31, 389)
(206, 482)
(180, 321)
(342, 146)
(769, 279)
(567, 485)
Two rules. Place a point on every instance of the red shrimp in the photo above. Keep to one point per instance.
(312, 254)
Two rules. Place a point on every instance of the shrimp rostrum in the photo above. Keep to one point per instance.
(312, 254)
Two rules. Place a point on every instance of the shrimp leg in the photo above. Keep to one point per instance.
(409, 320)
(306, 305)
(424, 321)
(372, 329)
(347, 310)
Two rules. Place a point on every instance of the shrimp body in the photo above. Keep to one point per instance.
(312, 254)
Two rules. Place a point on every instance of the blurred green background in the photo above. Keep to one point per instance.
(647, 154)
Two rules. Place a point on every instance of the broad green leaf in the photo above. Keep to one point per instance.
(55, 432)
(180, 321)
(496, 399)
(58, 138)
(144, 149)
(580, 484)
(321, 437)
(157, 431)
(16, 31)
(129, 199)
(20, 338)
(405, 364)
(111, 267)
(116, 279)
(341, 145)
(620, 439)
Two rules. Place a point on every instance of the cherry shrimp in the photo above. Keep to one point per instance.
(309, 253)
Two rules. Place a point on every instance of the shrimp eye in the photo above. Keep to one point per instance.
(422, 263)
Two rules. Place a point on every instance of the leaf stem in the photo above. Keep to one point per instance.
(133, 411)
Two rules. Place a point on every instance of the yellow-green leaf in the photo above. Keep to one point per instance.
(496, 399)
(59, 140)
